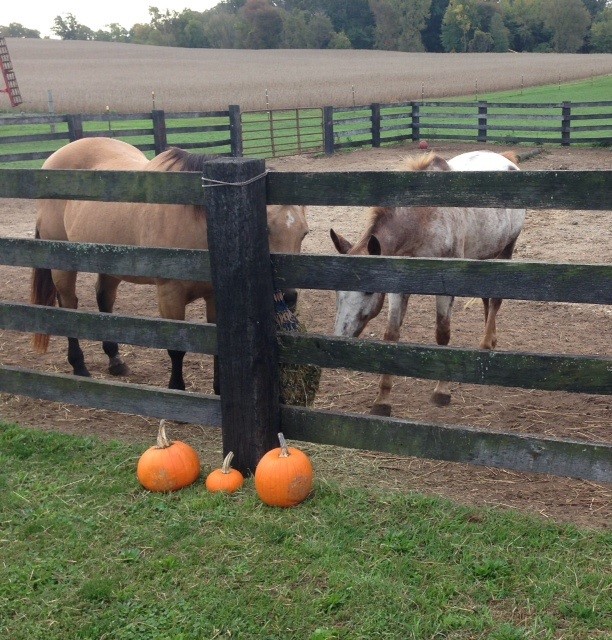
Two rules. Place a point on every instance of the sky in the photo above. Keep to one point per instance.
(40, 14)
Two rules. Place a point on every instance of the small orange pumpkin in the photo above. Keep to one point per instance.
(168, 465)
(283, 477)
(225, 479)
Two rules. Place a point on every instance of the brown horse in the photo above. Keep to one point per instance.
(430, 232)
(140, 224)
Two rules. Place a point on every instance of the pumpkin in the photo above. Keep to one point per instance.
(283, 476)
(168, 465)
(225, 479)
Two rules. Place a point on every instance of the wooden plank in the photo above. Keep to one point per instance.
(579, 374)
(533, 189)
(175, 264)
(136, 399)
(38, 137)
(109, 186)
(246, 333)
(146, 332)
(436, 276)
(9, 120)
(18, 157)
(451, 443)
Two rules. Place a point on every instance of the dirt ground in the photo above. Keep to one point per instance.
(553, 235)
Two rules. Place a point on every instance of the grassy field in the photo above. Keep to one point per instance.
(93, 555)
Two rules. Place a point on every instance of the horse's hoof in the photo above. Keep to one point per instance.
(118, 369)
(84, 373)
(381, 409)
(441, 399)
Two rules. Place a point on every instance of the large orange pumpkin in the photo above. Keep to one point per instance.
(283, 477)
(225, 479)
(168, 465)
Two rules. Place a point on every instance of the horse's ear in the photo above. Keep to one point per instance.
(341, 243)
(374, 248)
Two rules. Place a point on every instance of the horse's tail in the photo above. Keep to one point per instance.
(42, 292)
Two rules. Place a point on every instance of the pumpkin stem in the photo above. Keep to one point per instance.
(284, 447)
(162, 438)
(225, 467)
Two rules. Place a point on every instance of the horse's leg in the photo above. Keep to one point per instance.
(211, 317)
(106, 293)
(171, 299)
(444, 305)
(397, 310)
(65, 282)
(492, 306)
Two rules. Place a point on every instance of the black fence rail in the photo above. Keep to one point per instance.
(275, 133)
(247, 344)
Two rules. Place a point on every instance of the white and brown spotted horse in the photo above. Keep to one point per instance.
(141, 224)
(445, 232)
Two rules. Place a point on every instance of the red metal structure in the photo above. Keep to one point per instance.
(10, 81)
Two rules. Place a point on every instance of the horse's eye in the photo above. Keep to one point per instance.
(368, 293)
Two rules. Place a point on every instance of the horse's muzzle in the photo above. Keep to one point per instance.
(290, 297)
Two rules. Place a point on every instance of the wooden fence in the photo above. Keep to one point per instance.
(248, 409)
(275, 133)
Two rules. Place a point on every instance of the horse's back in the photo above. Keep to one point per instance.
(482, 161)
(97, 154)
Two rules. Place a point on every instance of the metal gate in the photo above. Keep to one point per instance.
(283, 132)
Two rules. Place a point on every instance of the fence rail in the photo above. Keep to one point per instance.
(248, 408)
(274, 133)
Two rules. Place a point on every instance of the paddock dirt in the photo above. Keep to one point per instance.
(553, 235)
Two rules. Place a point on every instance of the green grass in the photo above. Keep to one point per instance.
(87, 553)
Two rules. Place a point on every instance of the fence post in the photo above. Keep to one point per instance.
(482, 122)
(159, 130)
(566, 123)
(375, 107)
(241, 275)
(75, 126)
(235, 122)
(328, 130)
(415, 121)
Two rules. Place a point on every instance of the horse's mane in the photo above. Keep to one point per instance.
(376, 216)
(426, 161)
(174, 159)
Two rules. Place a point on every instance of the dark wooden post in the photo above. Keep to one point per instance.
(375, 107)
(235, 121)
(328, 130)
(566, 123)
(482, 122)
(415, 121)
(75, 127)
(159, 130)
(241, 274)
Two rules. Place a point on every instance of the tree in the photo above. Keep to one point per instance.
(221, 31)
(339, 41)
(524, 21)
(458, 25)
(431, 34)
(399, 23)
(568, 22)
(499, 34)
(17, 30)
(68, 28)
(601, 32)
(261, 25)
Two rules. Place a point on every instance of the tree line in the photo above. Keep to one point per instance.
(562, 26)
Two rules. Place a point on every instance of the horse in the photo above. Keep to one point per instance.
(140, 224)
(442, 232)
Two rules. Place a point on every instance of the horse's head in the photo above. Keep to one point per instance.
(354, 309)
(287, 228)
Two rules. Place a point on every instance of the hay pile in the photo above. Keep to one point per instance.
(299, 383)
